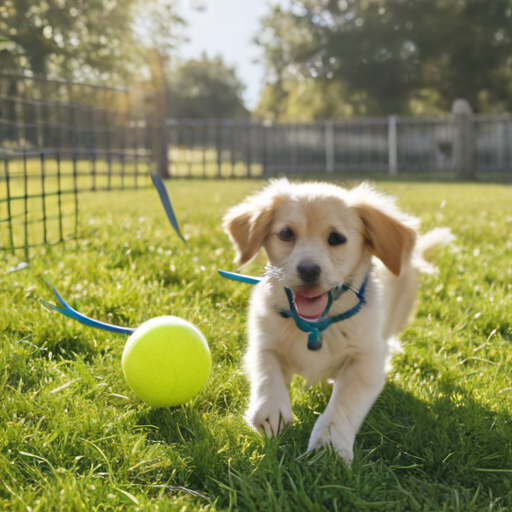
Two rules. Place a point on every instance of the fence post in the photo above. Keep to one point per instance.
(218, 143)
(264, 148)
(463, 140)
(329, 145)
(392, 147)
(160, 152)
(501, 143)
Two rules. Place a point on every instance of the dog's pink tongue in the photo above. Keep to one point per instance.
(310, 306)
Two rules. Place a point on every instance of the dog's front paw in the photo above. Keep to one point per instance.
(269, 414)
(327, 432)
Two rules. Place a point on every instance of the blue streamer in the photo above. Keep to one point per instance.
(239, 277)
(65, 309)
(166, 203)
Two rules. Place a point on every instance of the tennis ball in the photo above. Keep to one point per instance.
(166, 361)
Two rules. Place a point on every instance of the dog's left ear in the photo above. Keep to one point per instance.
(387, 238)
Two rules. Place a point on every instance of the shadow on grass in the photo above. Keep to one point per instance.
(451, 439)
(410, 455)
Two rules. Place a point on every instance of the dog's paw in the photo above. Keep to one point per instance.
(326, 433)
(269, 414)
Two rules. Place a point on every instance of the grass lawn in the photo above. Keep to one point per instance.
(74, 437)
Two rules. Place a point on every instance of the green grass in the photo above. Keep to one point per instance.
(74, 437)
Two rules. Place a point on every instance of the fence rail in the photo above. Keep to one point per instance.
(394, 145)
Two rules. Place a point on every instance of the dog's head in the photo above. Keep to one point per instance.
(317, 236)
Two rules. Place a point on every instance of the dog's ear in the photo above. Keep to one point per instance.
(387, 237)
(248, 225)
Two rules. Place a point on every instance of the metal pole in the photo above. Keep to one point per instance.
(392, 147)
(218, 142)
(329, 146)
(501, 142)
(264, 161)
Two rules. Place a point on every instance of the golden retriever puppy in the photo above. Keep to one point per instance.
(340, 285)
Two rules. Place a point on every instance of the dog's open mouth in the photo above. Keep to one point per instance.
(310, 303)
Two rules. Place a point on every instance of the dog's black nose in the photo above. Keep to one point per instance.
(309, 272)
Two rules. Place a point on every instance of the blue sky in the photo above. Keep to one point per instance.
(227, 27)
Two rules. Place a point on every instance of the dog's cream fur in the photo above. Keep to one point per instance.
(381, 241)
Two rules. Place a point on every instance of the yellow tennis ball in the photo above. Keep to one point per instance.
(166, 361)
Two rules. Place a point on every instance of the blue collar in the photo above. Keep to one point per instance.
(313, 328)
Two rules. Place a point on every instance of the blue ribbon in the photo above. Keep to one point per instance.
(166, 203)
(313, 328)
(65, 309)
(239, 277)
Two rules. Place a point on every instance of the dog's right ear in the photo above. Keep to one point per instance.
(248, 225)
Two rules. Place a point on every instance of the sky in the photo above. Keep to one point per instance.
(227, 27)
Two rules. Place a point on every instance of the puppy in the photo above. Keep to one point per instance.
(319, 237)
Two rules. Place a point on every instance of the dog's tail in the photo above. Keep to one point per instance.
(428, 245)
(401, 291)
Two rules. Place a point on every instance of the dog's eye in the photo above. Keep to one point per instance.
(286, 235)
(336, 239)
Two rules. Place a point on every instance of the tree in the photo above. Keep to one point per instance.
(80, 38)
(391, 56)
(205, 89)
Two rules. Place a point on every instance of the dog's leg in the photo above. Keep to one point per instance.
(269, 408)
(355, 389)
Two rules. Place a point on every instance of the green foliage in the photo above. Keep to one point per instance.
(78, 39)
(309, 99)
(73, 437)
(390, 56)
(205, 89)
